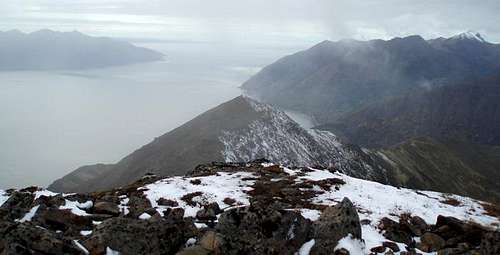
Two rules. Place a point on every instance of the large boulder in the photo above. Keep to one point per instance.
(262, 230)
(18, 204)
(106, 208)
(334, 224)
(25, 238)
(490, 243)
(134, 237)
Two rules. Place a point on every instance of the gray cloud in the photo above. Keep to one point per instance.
(303, 21)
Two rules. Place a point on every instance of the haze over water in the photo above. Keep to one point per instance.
(53, 122)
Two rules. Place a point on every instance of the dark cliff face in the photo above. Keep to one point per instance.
(335, 78)
(49, 50)
(467, 112)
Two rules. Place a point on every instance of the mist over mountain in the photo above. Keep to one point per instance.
(336, 78)
(51, 50)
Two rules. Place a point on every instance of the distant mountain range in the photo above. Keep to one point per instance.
(49, 50)
(406, 112)
(336, 78)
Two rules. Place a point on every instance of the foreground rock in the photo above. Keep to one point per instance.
(246, 208)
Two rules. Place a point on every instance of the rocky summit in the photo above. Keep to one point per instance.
(247, 208)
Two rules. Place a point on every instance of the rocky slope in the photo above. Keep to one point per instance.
(49, 50)
(239, 130)
(247, 208)
(335, 78)
(451, 166)
(466, 112)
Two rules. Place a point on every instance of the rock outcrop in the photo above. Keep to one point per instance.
(246, 208)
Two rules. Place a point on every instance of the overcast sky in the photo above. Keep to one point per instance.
(260, 21)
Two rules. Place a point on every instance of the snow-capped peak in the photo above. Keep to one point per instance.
(469, 35)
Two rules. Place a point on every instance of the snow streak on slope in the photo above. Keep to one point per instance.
(3, 197)
(277, 137)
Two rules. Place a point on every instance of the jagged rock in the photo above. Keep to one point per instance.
(419, 225)
(341, 251)
(211, 241)
(138, 204)
(378, 249)
(174, 214)
(167, 202)
(430, 242)
(209, 212)
(106, 208)
(490, 243)
(335, 223)
(50, 201)
(18, 204)
(132, 236)
(393, 246)
(394, 232)
(62, 220)
(262, 230)
(450, 227)
(24, 238)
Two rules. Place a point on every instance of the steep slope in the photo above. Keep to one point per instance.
(238, 130)
(466, 112)
(334, 78)
(48, 50)
(247, 208)
(452, 167)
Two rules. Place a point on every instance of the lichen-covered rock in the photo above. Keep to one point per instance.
(18, 204)
(261, 230)
(490, 243)
(134, 237)
(334, 224)
(24, 238)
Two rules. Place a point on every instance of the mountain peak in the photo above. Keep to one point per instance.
(469, 35)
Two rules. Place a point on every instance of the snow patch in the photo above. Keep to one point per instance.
(144, 216)
(354, 246)
(109, 251)
(3, 197)
(214, 188)
(305, 249)
(29, 215)
(75, 207)
(81, 247)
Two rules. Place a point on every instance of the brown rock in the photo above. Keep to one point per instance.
(430, 242)
(334, 224)
(211, 241)
(490, 243)
(378, 249)
(167, 202)
(341, 251)
(391, 245)
(106, 208)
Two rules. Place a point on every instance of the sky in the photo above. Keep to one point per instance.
(256, 21)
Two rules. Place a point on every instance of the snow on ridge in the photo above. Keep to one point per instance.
(470, 35)
(3, 197)
(279, 138)
(372, 200)
(214, 188)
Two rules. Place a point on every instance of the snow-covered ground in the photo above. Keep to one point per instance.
(372, 200)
